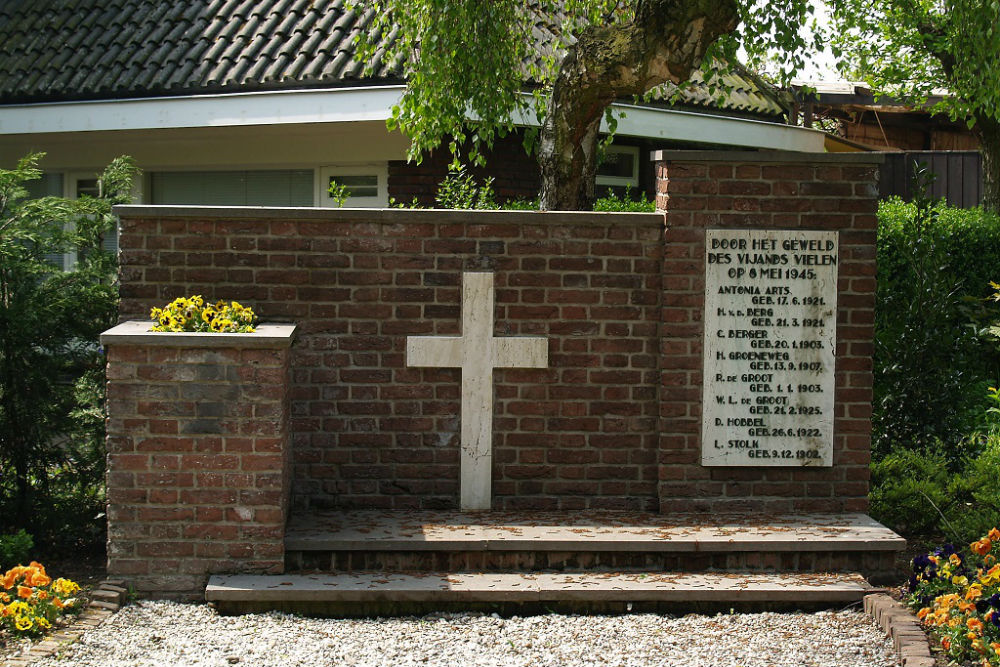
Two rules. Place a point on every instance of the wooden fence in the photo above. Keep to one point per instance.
(958, 176)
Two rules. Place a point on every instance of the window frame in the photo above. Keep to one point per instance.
(621, 181)
(379, 170)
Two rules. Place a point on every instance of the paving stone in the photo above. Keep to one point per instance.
(598, 531)
(513, 587)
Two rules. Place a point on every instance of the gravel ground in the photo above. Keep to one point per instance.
(177, 635)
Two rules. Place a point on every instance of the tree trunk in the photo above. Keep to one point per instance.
(665, 42)
(988, 131)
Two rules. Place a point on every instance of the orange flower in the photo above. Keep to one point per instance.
(955, 559)
(995, 645)
(58, 603)
(975, 625)
(12, 575)
(981, 547)
(922, 614)
(43, 595)
(4, 598)
(24, 592)
(994, 534)
(39, 578)
(946, 643)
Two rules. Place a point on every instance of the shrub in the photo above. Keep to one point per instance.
(625, 203)
(49, 357)
(956, 594)
(930, 492)
(30, 601)
(975, 492)
(935, 265)
(15, 548)
(460, 190)
(906, 486)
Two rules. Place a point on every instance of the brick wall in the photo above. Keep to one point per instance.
(701, 190)
(197, 471)
(514, 173)
(615, 420)
(370, 432)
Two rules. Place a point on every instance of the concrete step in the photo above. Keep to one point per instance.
(526, 541)
(363, 593)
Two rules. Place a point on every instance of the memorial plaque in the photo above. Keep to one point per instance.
(769, 344)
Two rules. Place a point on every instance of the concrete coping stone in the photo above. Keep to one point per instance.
(770, 157)
(430, 530)
(392, 216)
(540, 586)
(137, 332)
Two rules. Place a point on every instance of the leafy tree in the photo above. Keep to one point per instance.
(473, 59)
(909, 48)
(51, 423)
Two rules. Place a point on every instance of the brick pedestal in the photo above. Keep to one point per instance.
(702, 190)
(198, 446)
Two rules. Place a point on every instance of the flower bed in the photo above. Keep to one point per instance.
(30, 601)
(194, 314)
(957, 595)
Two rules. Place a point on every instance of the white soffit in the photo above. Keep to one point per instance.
(363, 104)
(154, 113)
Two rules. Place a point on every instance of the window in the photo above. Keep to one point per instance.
(366, 185)
(272, 187)
(49, 185)
(618, 170)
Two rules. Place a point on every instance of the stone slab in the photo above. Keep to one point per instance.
(763, 157)
(585, 531)
(770, 335)
(137, 332)
(538, 587)
(393, 216)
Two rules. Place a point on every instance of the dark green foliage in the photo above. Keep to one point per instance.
(51, 369)
(932, 368)
(917, 493)
(906, 485)
(625, 203)
(15, 549)
(460, 190)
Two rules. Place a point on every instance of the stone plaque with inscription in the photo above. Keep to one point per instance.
(770, 339)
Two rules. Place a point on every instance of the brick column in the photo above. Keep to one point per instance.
(198, 455)
(702, 190)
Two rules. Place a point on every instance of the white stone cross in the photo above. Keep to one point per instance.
(477, 352)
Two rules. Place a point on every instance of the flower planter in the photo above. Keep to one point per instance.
(198, 443)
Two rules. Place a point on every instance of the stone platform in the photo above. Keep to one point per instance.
(352, 563)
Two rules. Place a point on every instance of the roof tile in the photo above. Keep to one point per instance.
(54, 50)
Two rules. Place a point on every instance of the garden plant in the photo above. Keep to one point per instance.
(956, 594)
(194, 314)
(31, 601)
(51, 367)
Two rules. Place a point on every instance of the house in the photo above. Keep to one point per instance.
(853, 112)
(262, 102)
(911, 136)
